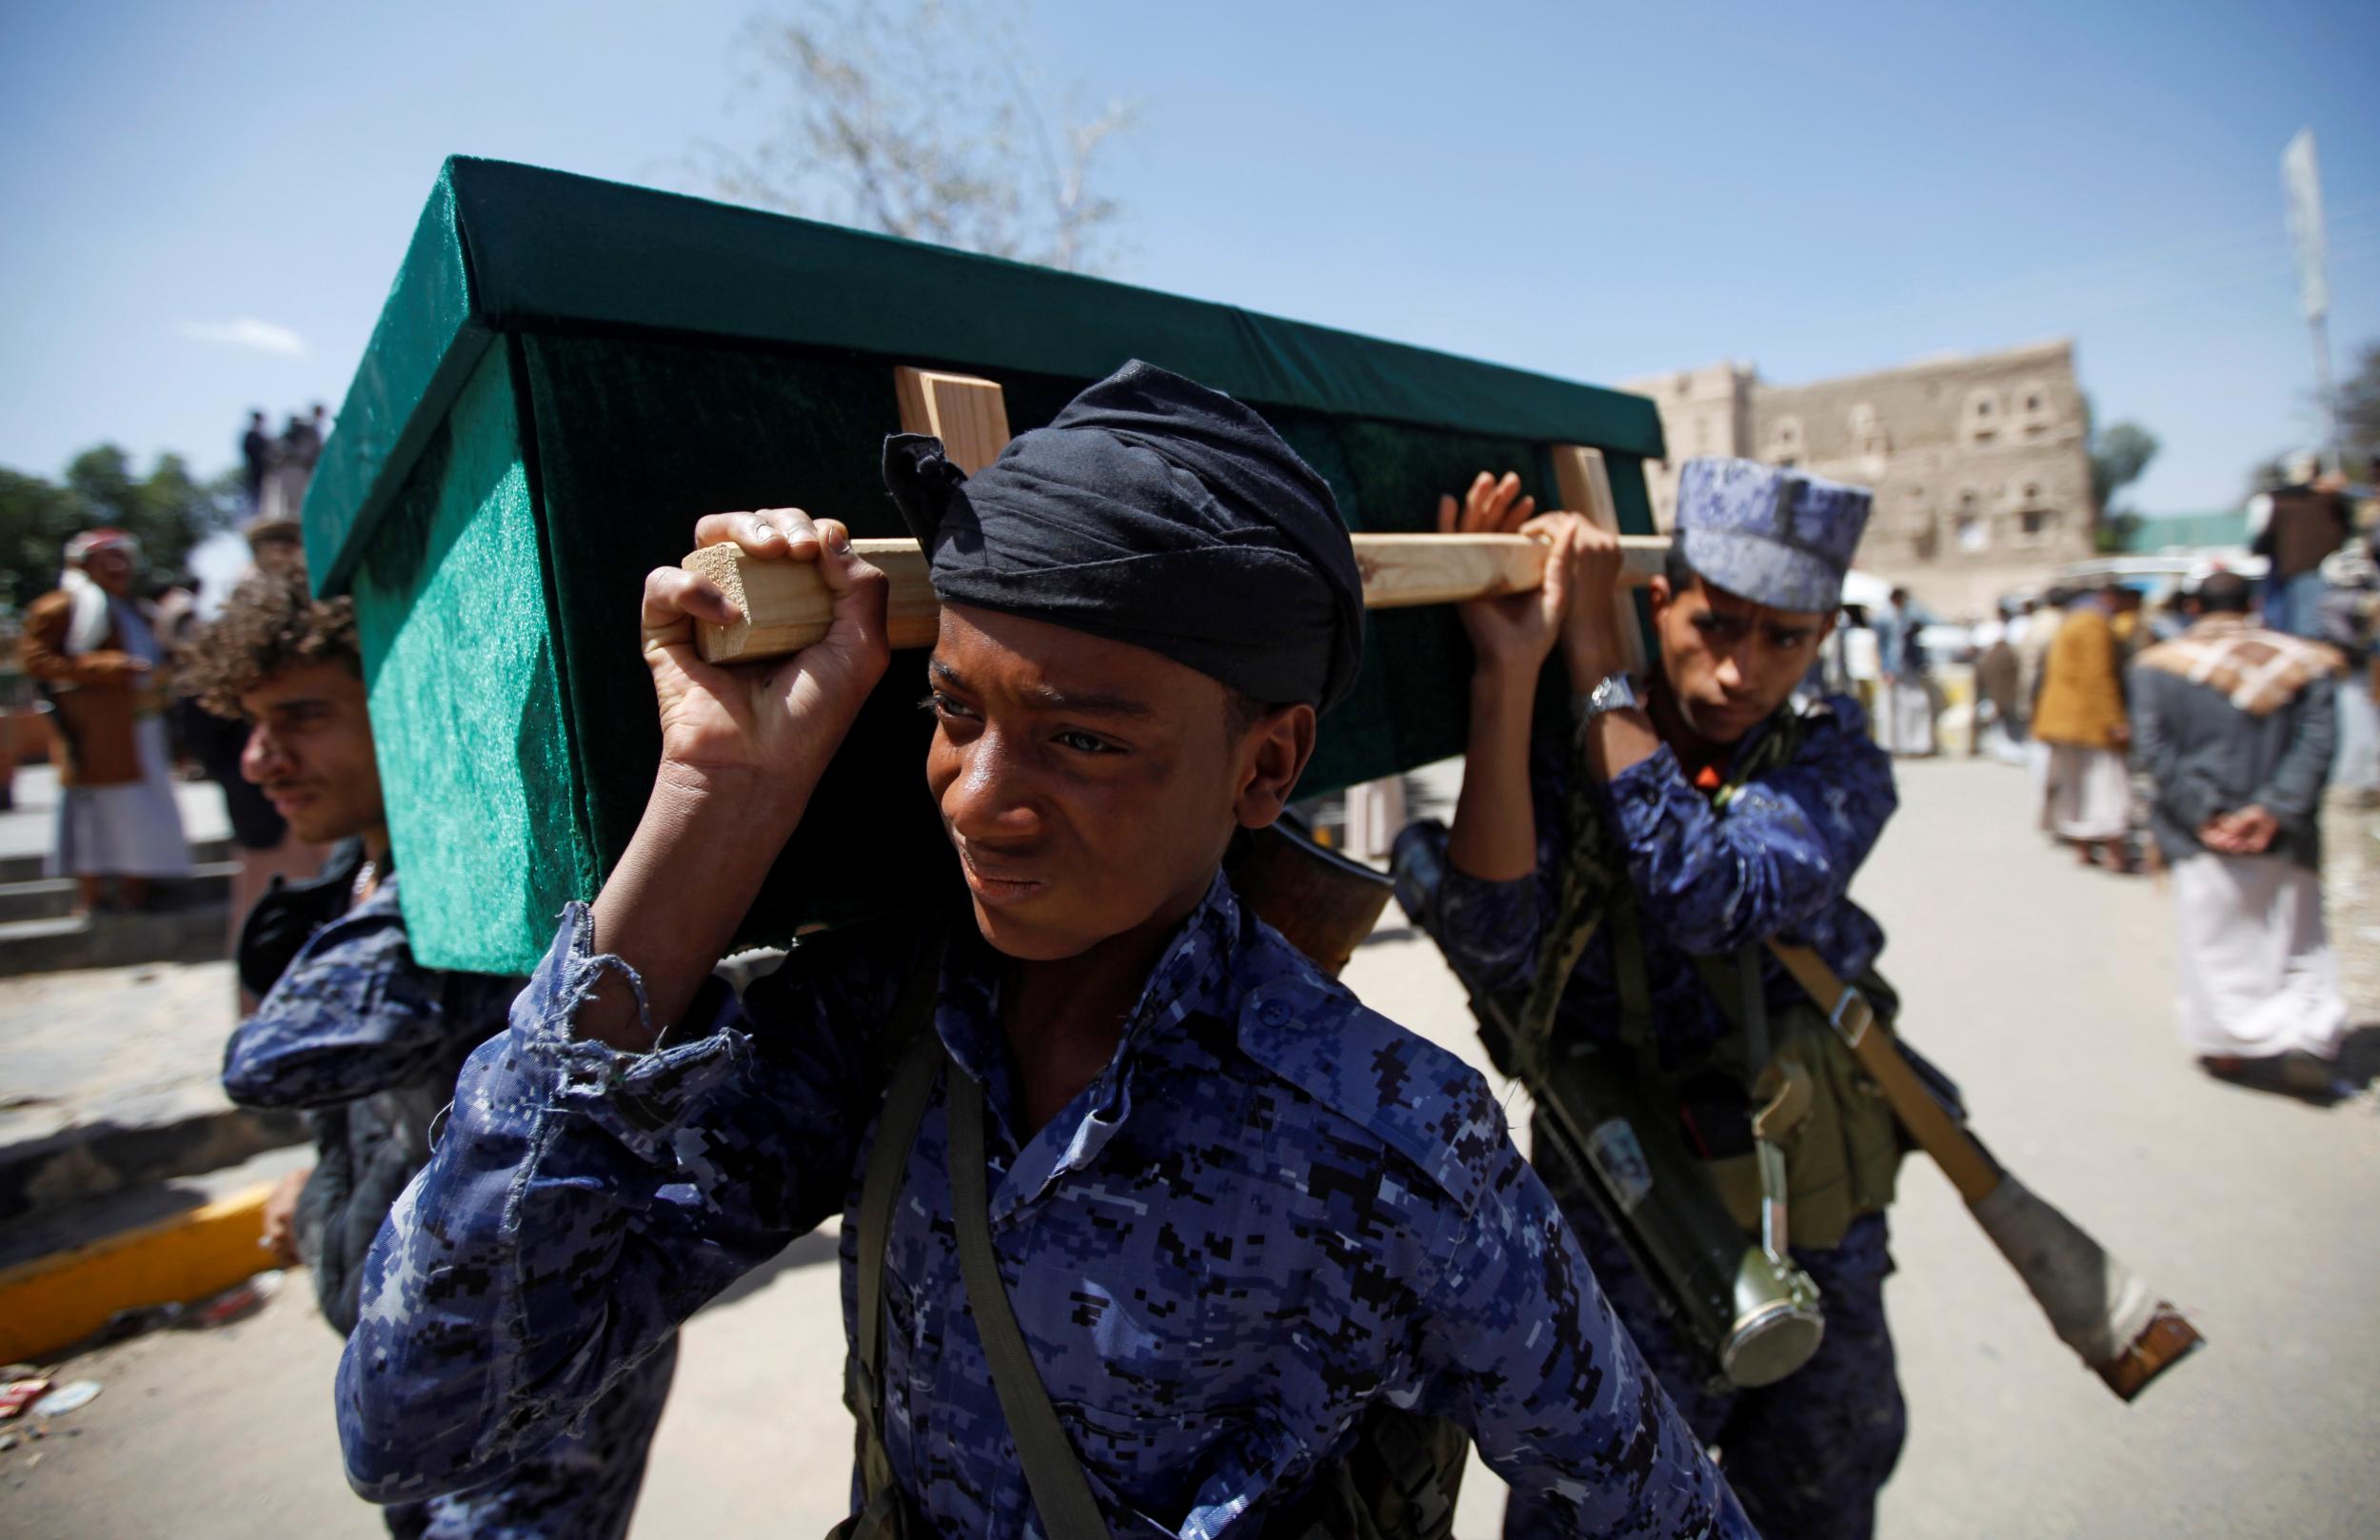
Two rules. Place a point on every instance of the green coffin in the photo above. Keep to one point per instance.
(568, 372)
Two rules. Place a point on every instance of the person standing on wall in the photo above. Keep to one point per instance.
(255, 461)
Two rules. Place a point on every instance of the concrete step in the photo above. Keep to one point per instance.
(29, 1238)
(193, 1132)
(194, 933)
(53, 898)
(28, 867)
(112, 1076)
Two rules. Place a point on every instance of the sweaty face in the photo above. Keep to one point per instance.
(1730, 661)
(310, 749)
(1089, 786)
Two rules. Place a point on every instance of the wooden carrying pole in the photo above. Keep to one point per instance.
(785, 607)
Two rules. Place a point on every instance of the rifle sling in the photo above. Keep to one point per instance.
(1928, 1121)
(1060, 1495)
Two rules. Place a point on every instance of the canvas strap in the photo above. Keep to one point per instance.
(880, 1194)
(1920, 1111)
(1060, 1495)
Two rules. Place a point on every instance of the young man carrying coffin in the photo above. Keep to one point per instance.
(366, 1041)
(1173, 1213)
(1694, 812)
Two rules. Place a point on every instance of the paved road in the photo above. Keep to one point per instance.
(2045, 988)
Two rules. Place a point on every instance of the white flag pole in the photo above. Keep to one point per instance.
(2301, 183)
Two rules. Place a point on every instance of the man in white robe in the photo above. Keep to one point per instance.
(100, 669)
(2237, 726)
(1905, 717)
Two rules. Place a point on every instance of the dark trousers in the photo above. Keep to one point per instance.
(1806, 1455)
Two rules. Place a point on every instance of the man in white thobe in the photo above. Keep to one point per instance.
(1905, 716)
(2237, 726)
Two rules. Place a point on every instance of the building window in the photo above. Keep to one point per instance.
(2034, 407)
(1785, 440)
(2037, 523)
(1867, 435)
(1981, 418)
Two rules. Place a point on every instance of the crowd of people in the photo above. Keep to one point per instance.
(101, 650)
(2198, 739)
(1148, 1220)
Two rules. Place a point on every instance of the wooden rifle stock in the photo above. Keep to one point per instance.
(2112, 1319)
(785, 607)
(1322, 902)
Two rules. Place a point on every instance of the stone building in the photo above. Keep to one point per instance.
(1979, 462)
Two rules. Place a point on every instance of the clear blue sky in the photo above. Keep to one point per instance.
(1586, 190)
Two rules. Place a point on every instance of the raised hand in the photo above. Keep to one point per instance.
(1512, 634)
(742, 750)
(781, 719)
(1590, 626)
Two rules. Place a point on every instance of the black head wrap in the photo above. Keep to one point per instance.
(1157, 512)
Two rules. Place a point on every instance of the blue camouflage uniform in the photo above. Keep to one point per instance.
(1807, 1455)
(1273, 1209)
(368, 1044)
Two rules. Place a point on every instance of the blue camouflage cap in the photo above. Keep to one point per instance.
(1775, 537)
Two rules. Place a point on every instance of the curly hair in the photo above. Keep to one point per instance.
(271, 623)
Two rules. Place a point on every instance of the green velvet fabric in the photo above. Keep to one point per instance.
(507, 247)
(655, 359)
(460, 654)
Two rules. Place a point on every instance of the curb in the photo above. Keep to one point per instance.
(199, 1132)
(59, 1300)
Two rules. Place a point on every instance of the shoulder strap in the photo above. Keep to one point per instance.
(1629, 973)
(880, 1194)
(1060, 1495)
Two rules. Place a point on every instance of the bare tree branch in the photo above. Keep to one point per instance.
(919, 121)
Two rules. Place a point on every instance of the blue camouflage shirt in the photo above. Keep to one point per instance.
(1273, 1208)
(366, 1041)
(354, 1015)
(1778, 861)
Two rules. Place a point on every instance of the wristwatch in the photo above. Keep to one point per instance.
(1617, 692)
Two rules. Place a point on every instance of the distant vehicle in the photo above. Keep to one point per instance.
(1946, 641)
(2157, 577)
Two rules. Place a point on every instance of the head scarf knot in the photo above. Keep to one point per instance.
(1155, 512)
